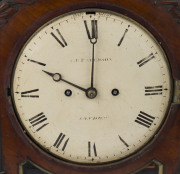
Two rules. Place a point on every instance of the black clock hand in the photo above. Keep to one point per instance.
(93, 40)
(92, 69)
(57, 77)
(90, 92)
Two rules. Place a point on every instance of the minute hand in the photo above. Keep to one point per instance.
(92, 69)
(93, 41)
(57, 77)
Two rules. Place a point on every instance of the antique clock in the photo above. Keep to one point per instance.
(90, 87)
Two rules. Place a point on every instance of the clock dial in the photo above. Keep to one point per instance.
(91, 86)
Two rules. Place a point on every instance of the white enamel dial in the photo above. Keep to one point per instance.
(91, 86)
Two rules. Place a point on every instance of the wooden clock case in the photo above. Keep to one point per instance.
(20, 18)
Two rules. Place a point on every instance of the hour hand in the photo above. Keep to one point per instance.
(57, 77)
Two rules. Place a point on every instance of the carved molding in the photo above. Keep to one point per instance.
(172, 6)
(9, 7)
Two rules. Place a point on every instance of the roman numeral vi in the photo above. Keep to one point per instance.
(90, 149)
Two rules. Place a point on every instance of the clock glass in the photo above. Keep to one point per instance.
(91, 86)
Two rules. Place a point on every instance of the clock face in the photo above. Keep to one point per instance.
(91, 86)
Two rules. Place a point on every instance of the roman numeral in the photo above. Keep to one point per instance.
(26, 93)
(39, 121)
(94, 31)
(145, 60)
(121, 40)
(144, 119)
(59, 141)
(91, 149)
(124, 142)
(153, 90)
(39, 63)
(63, 43)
